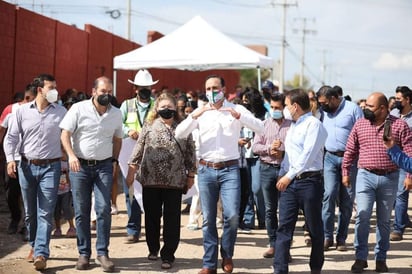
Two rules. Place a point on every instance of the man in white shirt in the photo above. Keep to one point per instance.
(92, 138)
(219, 124)
(301, 181)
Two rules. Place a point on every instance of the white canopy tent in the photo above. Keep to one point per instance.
(194, 46)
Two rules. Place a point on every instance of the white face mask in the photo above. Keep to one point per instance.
(52, 95)
(287, 114)
(144, 105)
(215, 96)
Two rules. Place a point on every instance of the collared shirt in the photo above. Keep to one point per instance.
(339, 124)
(219, 131)
(92, 133)
(263, 142)
(365, 142)
(304, 146)
(407, 118)
(39, 132)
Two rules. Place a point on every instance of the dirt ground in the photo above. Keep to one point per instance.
(132, 258)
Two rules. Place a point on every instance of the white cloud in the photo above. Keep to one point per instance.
(391, 61)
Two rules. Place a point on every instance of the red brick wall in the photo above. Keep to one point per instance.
(71, 58)
(32, 44)
(7, 40)
(35, 47)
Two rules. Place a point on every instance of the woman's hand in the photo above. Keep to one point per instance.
(130, 175)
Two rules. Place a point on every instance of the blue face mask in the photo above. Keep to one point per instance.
(276, 114)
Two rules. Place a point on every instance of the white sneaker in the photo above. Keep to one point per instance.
(192, 227)
(114, 210)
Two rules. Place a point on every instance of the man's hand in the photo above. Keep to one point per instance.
(133, 134)
(130, 175)
(74, 163)
(389, 142)
(199, 111)
(346, 181)
(233, 112)
(243, 142)
(407, 183)
(11, 169)
(283, 183)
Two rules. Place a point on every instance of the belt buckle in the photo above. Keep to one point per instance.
(91, 162)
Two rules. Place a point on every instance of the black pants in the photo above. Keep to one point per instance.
(166, 202)
(13, 196)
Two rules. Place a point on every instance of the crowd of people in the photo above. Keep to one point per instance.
(257, 159)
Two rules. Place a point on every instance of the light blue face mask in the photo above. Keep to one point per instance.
(276, 114)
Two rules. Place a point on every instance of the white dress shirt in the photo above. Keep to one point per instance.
(219, 131)
(304, 146)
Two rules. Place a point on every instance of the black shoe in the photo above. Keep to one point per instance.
(186, 210)
(12, 229)
(166, 264)
(381, 266)
(106, 263)
(83, 263)
(327, 244)
(359, 266)
(131, 239)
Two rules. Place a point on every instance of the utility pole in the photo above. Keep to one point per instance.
(302, 61)
(323, 67)
(129, 17)
(285, 6)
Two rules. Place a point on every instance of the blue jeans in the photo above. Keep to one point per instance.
(134, 223)
(268, 178)
(39, 186)
(401, 205)
(97, 178)
(371, 188)
(306, 194)
(211, 181)
(335, 193)
(255, 196)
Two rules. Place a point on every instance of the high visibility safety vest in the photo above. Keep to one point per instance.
(133, 116)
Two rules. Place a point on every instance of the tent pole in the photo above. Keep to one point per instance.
(259, 79)
(114, 83)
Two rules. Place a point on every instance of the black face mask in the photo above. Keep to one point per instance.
(167, 113)
(145, 93)
(247, 106)
(398, 105)
(104, 99)
(327, 108)
(369, 114)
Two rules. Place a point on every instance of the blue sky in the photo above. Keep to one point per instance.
(365, 45)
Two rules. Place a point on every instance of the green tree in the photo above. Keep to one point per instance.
(249, 77)
(294, 82)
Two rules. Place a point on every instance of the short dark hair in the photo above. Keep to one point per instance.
(339, 90)
(406, 92)
(39, 80)
(300, 97)
(278, 97)
(222, 81)
(328, 92)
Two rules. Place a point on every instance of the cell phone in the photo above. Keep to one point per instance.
(247, 139)
(387, 130)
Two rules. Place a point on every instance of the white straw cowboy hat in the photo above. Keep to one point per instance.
(143, 78)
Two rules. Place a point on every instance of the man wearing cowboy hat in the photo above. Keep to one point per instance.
(134, 112)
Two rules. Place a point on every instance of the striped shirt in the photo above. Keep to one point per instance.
(263, 142)
(365, 141)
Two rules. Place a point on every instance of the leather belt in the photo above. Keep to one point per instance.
(380, 172)
(337, 153)
(308, 174)
(92, 162)
(219, 165)
(39, 162)
(269, 164)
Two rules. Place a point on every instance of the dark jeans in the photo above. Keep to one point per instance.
(158, 202)
(306, 194)
(134, 223)
(244, 192)
(268, 179)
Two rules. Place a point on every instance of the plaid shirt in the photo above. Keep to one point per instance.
(366, 142)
